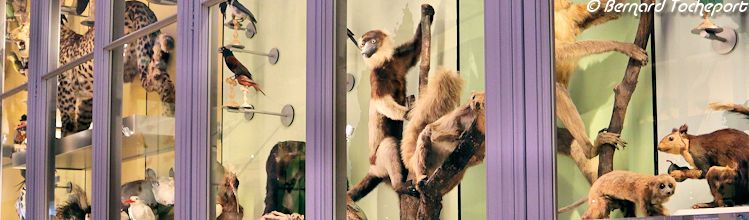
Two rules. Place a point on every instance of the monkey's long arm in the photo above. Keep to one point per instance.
(412, 48)
(391, 109)
(579, 49)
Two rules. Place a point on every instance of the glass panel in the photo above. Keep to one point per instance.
(148, 124)
(13, 157)
(376, 126)
(592, 54)
(701, 94)
(73, 114)
(258, 132)
(17, 25)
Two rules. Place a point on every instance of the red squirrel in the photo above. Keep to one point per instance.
(715, 156)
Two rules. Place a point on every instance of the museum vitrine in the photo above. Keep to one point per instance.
(257, 80)
(415, 92)
(15, 28)
(632, 141)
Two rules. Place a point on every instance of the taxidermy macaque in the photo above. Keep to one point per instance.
(569, 21)
(227, 198)
(625, 190)
(715, 156)
(440, 97)
(386, 106)
(440, 138)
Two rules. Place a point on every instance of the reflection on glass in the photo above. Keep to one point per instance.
(13, 129)
(148, 125)
(257, 66)
(13, 156)
(388, 133)
(586, 75)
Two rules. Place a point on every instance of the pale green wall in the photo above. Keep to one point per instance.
(591, 89)
(246, 144)
(400, 18)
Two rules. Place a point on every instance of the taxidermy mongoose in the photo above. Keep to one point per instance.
(714, 156)
(626, 190)
(386, 106)
(569, 21)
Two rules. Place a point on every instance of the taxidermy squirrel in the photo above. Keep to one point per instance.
(715, 156)
(624, 190)
(569, 21)
(386, 106)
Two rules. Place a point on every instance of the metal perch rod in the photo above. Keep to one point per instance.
(286, 114)
(272, 55)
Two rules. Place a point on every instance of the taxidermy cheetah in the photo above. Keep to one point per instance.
(75, 88)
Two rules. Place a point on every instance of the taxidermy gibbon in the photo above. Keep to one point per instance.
(386, 106)
(440, 138)
(569, 21)
(440, 97)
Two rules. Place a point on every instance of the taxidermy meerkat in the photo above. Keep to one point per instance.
(625, 189)
(441, 137)
(714, 156)
(569, 21)
(441, 96)
(386, 106)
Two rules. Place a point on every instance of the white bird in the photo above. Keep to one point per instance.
(138, 210)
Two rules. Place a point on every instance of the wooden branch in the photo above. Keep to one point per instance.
(450, 173)
(427, 13)
(623, 92)
(408, 203)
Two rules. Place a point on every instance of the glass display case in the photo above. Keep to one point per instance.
(256, 69)
(686, 145)
(413, 70)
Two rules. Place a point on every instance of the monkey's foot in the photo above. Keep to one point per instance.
(605, 137)
(635, 52)
(705, 205)
(678, 174)
(408, 189)
(421, 181)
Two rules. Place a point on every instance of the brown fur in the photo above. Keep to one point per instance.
(441, 96)
(386, 109)
(714, 156)
(227, 198)
(735, 108)
(569, 21)
(440, 138)
(647, 192)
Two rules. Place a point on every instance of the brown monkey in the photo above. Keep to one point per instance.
(440, 97)
(715, 157)
(625, 189)
(386, 106)
(569, 21)
(441, 137)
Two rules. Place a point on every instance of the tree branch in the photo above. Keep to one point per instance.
(447, 176)
(623, 92)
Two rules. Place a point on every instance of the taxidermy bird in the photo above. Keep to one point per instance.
(227, 198)
(241, 74)
(237, 11)
(76, 206)
(139, 210)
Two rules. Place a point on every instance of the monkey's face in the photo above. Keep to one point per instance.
(478, 100)
(371, 42)
(663, 186)
(675, 142)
